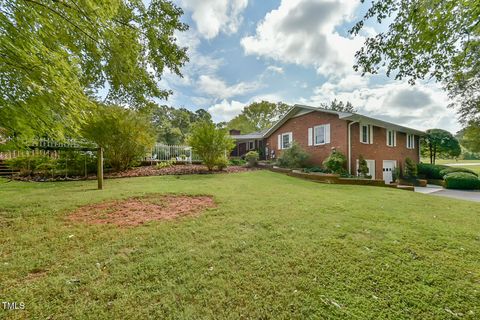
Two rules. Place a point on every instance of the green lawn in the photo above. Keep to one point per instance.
(275, 247)
(450, 161)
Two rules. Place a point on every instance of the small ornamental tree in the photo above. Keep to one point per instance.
(125, 135)
(362, 167)
(410, 169)
(335, 162)
(210, 143)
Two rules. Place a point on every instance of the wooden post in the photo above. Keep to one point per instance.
(100, 168)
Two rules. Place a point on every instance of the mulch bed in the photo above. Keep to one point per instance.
(173, 170)
(139, 210)
(144, 171)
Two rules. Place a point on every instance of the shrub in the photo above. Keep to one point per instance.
(455, 169)
(252, 158)
(210, 143)
(293, 157)
(363, 167)
(316, 169)
(335, 162)
(125, 135)
(165, 164)
(462, 180)
(237, 162)
(410, 168)
(430, 171)
(222, 163)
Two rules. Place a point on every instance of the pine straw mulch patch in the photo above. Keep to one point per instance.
(173, 170)
(138, 210)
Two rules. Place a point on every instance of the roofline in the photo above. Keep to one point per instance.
(347, 116)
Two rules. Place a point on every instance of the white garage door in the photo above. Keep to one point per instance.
(388, 167)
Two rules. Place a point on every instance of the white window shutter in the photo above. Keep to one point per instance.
(413, 141)
(279, 145)
(388, 133)
(290, 139)
(361, 131)
(394, 138)
(407, 140)
(371, 133)
(327, 133)
(310, 136)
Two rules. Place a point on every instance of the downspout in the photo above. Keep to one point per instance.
(350, 146)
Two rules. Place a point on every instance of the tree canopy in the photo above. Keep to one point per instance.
(339, 106)
(440, 143)
(471, 137)
(437, 39)
(258, 116)
(60, 57)
(173, 125)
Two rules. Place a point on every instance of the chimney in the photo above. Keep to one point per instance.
(234, 132)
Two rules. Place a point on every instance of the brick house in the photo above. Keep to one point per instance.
(384, 145)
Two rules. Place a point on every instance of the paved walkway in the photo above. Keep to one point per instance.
(449, 193)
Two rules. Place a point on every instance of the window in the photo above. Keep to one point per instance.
(391, 138)
(320, 135)
(410, 141)
(285, 140)
(251, 145)
(366, 133)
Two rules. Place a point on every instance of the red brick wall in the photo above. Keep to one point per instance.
(379, 150)
(299, 128)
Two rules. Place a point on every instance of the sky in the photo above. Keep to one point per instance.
(294, 51)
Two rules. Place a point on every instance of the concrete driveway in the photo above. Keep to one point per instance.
(449, 193)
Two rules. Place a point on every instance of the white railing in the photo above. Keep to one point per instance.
(26, 153)
(50, 143)
(178, 153)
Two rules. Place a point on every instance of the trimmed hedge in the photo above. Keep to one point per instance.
(431, 171)
(455, 169)
(462, 180)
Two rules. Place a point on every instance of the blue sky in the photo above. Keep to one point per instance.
(295, 51)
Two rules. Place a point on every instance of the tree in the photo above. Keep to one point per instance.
(428, 39)
(174, 125)
(471, 137)
(440, 143)
(58, 58)
(363, 167)
(210, 143)
(258, 116)
(125, 135)
(339, 106)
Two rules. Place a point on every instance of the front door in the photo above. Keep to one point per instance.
(388, 167)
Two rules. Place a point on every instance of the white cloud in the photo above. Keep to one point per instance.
(214, 16)
(220, 90)
(423, 106)
(303, 32)
(225, 110)
(275, 69)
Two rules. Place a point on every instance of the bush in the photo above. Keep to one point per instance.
(336, 162)
(252, 158)
(316, 169)
(293, 157)
(237, 162)
(222, 163)
(430, 171)
(455, 169)
(210, 143)
(410, 168)
(165, 164)
(125, 135)
(462, 180)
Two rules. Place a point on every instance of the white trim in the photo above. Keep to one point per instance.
(248, 145)
(394, 138)
(349, 129)
(280, 140)
(412, 144)
(310, 136)
(326, 134)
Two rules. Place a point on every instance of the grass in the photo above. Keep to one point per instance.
(275, 247)
(450, 161)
